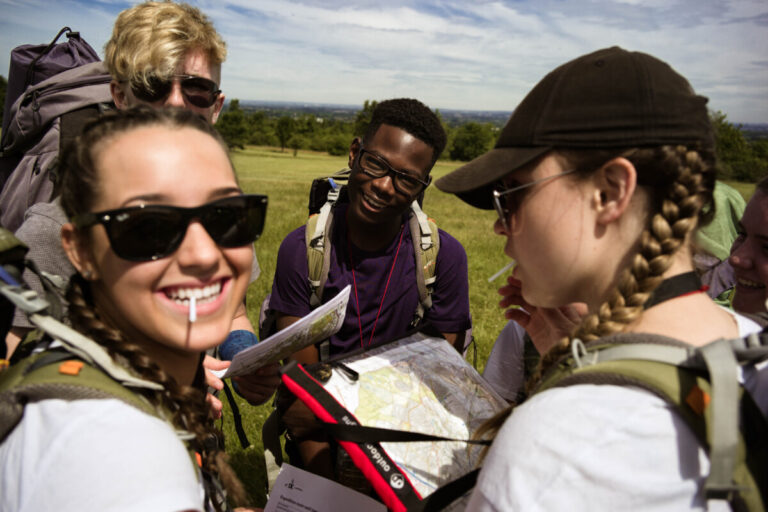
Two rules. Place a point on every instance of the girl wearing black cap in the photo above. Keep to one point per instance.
(600, 179)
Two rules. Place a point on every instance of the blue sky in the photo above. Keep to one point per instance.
(460, 54)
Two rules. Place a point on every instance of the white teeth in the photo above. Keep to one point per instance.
(749, 283)
(201, 295)
(373, 202)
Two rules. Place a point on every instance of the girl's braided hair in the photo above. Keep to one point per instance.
(186, 405)
(679, 181)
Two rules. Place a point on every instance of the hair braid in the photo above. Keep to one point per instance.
(186, 404)
(680, 182)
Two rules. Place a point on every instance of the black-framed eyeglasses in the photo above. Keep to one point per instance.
(198, 91)
(376, 167)
(151, 232)
(506, 207)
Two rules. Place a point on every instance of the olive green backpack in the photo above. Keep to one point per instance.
(701, 383)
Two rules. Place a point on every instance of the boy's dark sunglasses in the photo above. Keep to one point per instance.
(376, 167)
(151, 232)
(198, 91)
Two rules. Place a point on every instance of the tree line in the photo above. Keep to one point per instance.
(742, 157)
(312, 132)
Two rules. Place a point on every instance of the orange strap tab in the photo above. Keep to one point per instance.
(71, 367)
(199, 459)
(698, 400)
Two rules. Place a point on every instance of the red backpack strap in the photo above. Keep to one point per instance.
(388, 480)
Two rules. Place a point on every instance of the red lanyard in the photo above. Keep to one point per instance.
(386, 287)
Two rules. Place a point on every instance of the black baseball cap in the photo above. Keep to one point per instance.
(611, 98)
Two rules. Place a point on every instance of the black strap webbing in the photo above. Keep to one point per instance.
(672, 287)
(447, 494)
(238, 420)
(362, 434)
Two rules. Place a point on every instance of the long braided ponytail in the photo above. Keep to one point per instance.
(680, 182)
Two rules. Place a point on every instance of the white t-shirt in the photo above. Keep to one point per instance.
(95, 455)
(598, 447)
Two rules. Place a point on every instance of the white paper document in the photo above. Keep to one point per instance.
(297, 490)
(316, 326)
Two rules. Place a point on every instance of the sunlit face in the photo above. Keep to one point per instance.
(749, 257)
(195, 63)
(549, 235)
(148, 301)
(375, 200)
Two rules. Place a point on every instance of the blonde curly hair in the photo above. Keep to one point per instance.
(152, 38)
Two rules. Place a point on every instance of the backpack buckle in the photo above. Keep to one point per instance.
(581, 356)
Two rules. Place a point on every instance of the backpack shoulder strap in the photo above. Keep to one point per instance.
(58, 374)
(426, 245)
(701, 383)
(317, 235)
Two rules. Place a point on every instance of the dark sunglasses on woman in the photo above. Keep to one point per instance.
(151, 232)
(198, 91)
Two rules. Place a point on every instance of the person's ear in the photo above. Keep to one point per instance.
(615, 184)
(354, 149)
(118, 94)
(217, 108)
(78, 254)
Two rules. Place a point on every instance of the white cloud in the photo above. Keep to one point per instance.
(449, 53)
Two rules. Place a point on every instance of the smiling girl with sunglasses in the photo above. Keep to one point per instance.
(600, 178)
(161, 237)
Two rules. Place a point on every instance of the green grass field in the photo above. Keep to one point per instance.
(286, 180)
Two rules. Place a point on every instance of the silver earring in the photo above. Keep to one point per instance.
(87, 274)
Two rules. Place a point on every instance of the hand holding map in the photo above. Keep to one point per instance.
(318, 325)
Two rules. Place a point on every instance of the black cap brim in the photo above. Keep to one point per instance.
(473, 182)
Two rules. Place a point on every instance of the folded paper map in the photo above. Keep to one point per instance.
(419, 384)
(316, 326)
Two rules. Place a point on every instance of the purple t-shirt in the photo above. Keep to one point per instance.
(450, 298)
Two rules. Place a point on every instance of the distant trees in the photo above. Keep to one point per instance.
(740, 159)
(284, 130)
(742, 156)
(364, 116)
(233, 126)
(472, 140)
(296, 142)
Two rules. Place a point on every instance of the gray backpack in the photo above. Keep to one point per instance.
(42, 120)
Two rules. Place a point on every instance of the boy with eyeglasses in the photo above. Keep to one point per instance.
(371, 246)
(372, 251)
(161, 54)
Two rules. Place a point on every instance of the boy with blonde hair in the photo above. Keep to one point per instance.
(166, 54)
(160, 54)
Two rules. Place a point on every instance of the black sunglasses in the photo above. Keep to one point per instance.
(151, 232)
(376, 167)
(508, 205)
(198, 91)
